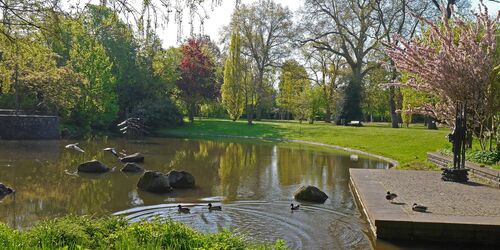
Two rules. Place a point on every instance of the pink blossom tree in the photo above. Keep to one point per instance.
(455, 63)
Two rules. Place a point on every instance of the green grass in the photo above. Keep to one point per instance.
(408, 146)
(115, 233)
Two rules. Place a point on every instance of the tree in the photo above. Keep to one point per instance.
(197, 75)
(31, 80)
(98, 105)
(232, 89)
(266, 29)
(402, 17)
(325, 70)
(375, 95)
(349, 29)
(293, 82)
(454, 63)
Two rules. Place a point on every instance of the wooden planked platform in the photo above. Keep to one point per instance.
(468, 213)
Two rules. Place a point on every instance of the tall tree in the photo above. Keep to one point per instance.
(455, 63)
(351, 30)
(197, 75)
(325, 70)
(232, 88)
(98, 106)
(402, 18)
(266, 29)
(293, 82)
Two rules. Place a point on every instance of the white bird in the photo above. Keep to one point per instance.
(112, 151)
(75, 147)
(390, 196)
(354, 157)
(293, 207)
(419, 208)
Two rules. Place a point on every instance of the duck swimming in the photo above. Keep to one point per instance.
(419, 208)
(212, 208)
(294, 207)
(183, 209)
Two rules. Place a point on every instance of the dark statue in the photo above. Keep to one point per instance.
(458, 172)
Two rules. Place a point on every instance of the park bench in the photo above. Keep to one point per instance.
(355, 123)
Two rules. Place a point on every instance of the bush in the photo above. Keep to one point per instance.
(115, 233)
(485, 157)
(158, 113)
(478, 156)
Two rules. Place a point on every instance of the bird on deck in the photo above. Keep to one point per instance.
(390, 196)
(294, 207)
(419, 208)
(74, 146)
(183, 209)
(214, 208)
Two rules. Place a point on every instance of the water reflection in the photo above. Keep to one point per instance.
(44, 176)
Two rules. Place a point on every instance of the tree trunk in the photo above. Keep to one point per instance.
(351, 108)
(249, 114)
(392, 105)
(260, 95)
(191, 111)
(328, 111)
(432, 124)
(249, 109)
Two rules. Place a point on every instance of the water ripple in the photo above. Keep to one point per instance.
(311, 227)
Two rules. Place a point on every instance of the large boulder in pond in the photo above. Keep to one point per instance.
(310, 193)
(131, 167)
(93, 166)
(180, 179)
(4, 190)
(154, 181)
(136, 157)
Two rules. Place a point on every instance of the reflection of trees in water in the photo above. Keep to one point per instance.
(234, 170)
(329, 172)
(200, 158)
(298, 166)
(236, 162)
(47, 189)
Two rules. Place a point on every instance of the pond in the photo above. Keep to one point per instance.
(254, 182)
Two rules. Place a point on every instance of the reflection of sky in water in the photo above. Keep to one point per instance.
(43, 173)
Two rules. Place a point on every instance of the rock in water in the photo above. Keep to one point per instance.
(93, 166)
(137, 157)
(180, 179)
(310, 193)
(4, 190)
(131, 167)
(154, 181)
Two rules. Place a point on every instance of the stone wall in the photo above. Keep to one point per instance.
(490, 175)
(28, 127)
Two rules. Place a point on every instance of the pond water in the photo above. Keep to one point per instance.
(254, 182)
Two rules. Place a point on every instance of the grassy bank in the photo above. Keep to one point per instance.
(116, 233)
(408, 146)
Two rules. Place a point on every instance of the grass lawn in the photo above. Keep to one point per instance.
(408, 146)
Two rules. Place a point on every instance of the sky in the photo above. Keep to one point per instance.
(221, 15)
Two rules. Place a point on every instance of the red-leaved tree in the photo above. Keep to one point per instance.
(197, 79)
(454, 62)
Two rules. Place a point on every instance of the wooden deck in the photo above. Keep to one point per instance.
(468, 213)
